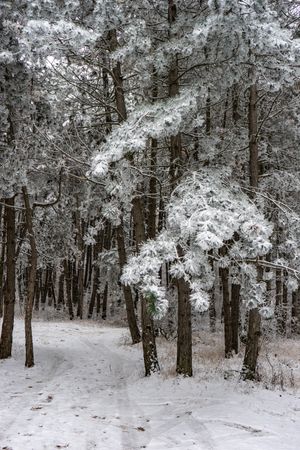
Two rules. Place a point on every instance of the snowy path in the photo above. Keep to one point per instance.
(87, 392)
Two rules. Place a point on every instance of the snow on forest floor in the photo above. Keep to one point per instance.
(87, 391)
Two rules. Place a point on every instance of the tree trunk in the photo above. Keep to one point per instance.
(94, 291)
(122, 115)
(284, 305)
(151, 220)
(224, 273)
(67, 271)
(106, 246)
(279, 302)
(235, 316)
(184, 364)
(104, 302)
(184, 337)
(148, 339)
(131, 318)
(96, 274)
(2, 259)
(74, 281)
(296, 311)
(44, 290)
(253, 335)
(148, 334)
(80, 268)
(212, 304)
(252, 345)
(212, 312)
(88, 267)
(38, 288)
(29, 360)
(61, 294)
(9, 289)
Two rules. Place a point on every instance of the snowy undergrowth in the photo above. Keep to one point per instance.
(278, 366)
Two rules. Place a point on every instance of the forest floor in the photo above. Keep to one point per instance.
(87, 391)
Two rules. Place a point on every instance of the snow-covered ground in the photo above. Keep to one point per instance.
(87, 391)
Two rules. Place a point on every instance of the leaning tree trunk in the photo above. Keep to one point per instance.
(9, 289)
(148, 335)
(122, 115)
(254, 323)
(131, 317)
(29, 301)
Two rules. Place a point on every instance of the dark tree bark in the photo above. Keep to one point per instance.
(252, 345)
(212, 312)
(38, 289)
(131, 317)
(106, 246)
(88, 267)
(44, 290)
(68, 272)
(9, 288)
(254, 323)
(148, 333)
(96, 275)
(184, 338)
(284, 305)
(29, 360)
(296, 311)
(224, 273)
(104, 302)
(122, 115)
(74, 281)
(279, 302)
(212, 305)
(61, 293)
(98, 303)
(94, 292)
(235, 316)
(152, 213)
(80, 268)
(2, 258)
(184, 364)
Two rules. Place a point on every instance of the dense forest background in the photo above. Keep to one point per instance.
(150, 169)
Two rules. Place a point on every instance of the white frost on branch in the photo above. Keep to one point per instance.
(159, 120)
(205, 213)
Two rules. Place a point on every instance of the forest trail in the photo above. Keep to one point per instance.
(87, 391)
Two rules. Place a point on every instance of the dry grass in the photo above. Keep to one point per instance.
(279, 361)
(278, 367)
